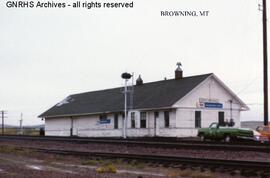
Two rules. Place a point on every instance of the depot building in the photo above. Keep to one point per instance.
(167, 108)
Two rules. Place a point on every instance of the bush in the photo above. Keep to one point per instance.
(107, 169)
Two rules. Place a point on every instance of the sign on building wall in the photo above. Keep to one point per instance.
(104, 121)
(213, 103)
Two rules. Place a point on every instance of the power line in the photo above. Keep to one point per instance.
(252, 104)
(248, 85)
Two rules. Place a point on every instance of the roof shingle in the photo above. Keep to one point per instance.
(149, 95)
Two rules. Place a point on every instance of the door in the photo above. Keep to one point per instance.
(115, 121)
(156, 123)
(198, 119)
(221, 118)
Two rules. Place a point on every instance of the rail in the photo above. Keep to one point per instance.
(149, 143)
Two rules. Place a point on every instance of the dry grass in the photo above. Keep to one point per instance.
(107, 169)
(189, 173)
(15, 131)
(90, 162)
(14, 150)
(118, 162)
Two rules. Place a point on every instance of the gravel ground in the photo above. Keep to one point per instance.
(20, 164)
(27, 167)
(215, 154)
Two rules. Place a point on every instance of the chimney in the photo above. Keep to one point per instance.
(139, 80)
(178, 71)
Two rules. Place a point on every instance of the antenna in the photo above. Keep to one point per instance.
(179, 64)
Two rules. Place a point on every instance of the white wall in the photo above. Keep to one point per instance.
(58, 126)
(83, 126)
(89, 126)
(210, 89)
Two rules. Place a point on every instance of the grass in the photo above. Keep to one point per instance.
(90, 162)
(104, 166)
(110, 168)
(133, 164)
(190, 173)
(8, 149)
(16, 131)
(13, 150)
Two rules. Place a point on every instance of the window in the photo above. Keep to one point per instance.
(221, 120)
(115, 121)
(259, 128)
(198, 119)
(103, 119)
(156, 114)
(166, 119)
(213, 126)
(132, 119)
(143, 119)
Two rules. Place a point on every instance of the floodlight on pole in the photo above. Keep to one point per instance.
(125, 76)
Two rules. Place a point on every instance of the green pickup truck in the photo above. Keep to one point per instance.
(216, 132)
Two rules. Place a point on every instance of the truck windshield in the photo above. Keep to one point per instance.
(213, 125)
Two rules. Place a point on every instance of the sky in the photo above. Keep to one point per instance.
(47, 54)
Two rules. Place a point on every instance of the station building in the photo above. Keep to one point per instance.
(167, 108)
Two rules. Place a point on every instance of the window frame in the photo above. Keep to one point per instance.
(198, 119)
(143, 119)
(132, 120)
(166, 119)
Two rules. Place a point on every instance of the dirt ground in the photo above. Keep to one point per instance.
(30, 164)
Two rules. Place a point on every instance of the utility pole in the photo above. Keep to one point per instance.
(21, 121)
(265, 65)
(3, 117)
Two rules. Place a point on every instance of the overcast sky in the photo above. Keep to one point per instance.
(48, 54)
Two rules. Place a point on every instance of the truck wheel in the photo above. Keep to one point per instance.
(202, 137)
(227, 138)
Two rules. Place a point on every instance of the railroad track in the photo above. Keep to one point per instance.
(247, 167)
(147, 143)
(138, 139)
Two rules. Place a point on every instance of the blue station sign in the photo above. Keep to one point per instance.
(213, 105)
(104, 121)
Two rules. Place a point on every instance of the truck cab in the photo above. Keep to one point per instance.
(213, 132)
(217, 132)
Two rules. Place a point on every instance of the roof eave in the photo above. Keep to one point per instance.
(106, 112)
(195, 88)
(244, 106)
(78, 114)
